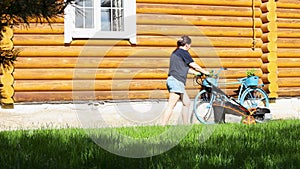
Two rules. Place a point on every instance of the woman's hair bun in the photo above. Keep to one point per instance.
(184, 40)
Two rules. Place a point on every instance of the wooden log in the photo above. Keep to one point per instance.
(204, 2)
(234, 73)
(288, 82)
(38, 96)
(39, 40)
(6, 44)
(268, 17)
(6, 79)
(288, 43)
(273, 95)
(288, 13)
(7, 32)
(56, 19)
(94, 51)
(269, 37)
(152, 19)
(108, 74)
(166, 41)
(270, 77)
(225, 52)
(33, 28)
(171, 30)
(288, 62)
(91, 62)
(268, 6)
(89, 85)
(289, 91)
(6, 35)
(58, 40)
(269, 57)
(7, 101)
(198, 41)
(104, 85)
(97, 95)
(97, 74)
(288, 53)
(149, 51)
(272, 88)
(269, 47)
(269, 67)
(53, 40)
(289, 72)
(269, 27)
(228, 62)
(186, 9)
(288, 23)
(63, 62)
(293, 4)
(42, 96)
(288, 33)
(7, 89)
(229, 84)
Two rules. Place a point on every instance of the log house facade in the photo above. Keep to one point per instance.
(236, 34)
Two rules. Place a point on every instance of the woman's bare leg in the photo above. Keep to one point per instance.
(173, 98)
(185, 112)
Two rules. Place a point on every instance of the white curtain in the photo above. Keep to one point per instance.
(117, 15)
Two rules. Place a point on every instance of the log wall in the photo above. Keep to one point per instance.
(288, 43)
(6, 69)
(269, 47)
(222, 33)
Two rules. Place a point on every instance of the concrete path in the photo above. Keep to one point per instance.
(111, 114)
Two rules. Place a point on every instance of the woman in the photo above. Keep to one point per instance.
(181, 63)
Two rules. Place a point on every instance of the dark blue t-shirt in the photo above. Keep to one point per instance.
(179, 64)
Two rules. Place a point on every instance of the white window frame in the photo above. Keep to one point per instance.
(70, 32)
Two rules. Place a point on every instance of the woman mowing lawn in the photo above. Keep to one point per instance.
(181, 63)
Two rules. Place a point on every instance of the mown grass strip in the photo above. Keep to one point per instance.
(270, 145)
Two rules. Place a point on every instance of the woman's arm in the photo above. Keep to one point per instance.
(198, 68)
(193, 71)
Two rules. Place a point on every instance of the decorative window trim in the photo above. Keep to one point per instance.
(70, 32)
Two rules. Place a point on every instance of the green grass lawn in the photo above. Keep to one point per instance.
(270, 145)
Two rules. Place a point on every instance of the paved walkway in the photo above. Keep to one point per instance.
(110, 114)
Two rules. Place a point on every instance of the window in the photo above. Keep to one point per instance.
(107, 19)
(112, 15)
